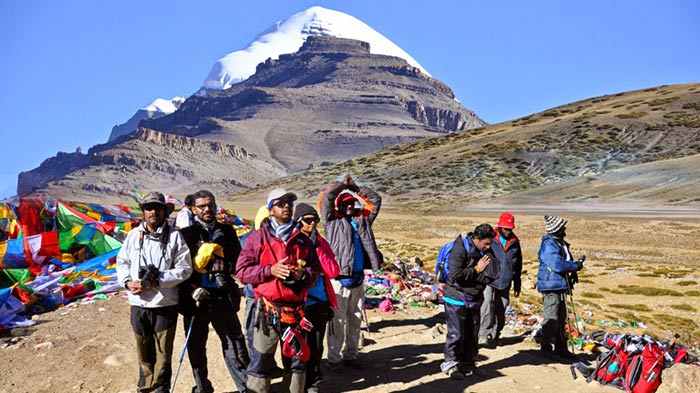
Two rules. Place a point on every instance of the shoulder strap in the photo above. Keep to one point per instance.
(466, 242)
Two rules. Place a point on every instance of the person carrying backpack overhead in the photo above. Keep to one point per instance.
(556, 263)
(469, 272)
(506, 247)
(348, 212)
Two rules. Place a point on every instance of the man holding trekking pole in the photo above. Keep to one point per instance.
(557, 264)
(211, 295)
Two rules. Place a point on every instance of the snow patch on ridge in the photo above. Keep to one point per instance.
(164, 106)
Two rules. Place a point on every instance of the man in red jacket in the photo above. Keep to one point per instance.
(281, 264)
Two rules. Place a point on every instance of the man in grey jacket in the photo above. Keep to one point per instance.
(348, 212)
(153, 260)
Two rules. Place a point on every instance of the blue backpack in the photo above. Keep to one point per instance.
(442, 265)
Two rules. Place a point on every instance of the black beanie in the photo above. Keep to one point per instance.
(302, 209)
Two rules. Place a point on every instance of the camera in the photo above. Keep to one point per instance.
(148, 276)
(219, 278)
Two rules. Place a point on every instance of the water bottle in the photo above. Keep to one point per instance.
(611, 371)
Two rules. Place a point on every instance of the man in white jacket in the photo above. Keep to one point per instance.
(152, 261)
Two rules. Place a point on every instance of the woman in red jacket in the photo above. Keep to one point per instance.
(321, 298)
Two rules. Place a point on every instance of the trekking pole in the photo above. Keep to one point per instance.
(651, 374)
(364, 314)
(573, 311)
(182, 355)
(566, 307)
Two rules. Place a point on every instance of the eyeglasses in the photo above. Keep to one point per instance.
(152, 206)
(282, 203)
(310, 220)
(203, 207)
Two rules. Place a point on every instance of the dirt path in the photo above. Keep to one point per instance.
(90, 349)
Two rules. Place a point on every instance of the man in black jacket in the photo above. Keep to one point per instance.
(211, 295)
(469, 273)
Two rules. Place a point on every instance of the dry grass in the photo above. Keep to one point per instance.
(630, 274)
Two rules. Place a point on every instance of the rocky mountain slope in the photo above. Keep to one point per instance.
(596, 144)
(330, 101)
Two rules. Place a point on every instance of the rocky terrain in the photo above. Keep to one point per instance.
(330, 101)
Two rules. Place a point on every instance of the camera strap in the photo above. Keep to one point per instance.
(164, 238)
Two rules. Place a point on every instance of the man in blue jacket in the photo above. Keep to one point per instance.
(506, 248)
(556, 263)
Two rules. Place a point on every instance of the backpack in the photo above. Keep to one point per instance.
(644, 370)
(633, 364)
(442, 265)
(611, 366)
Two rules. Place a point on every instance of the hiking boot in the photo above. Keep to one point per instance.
(353, 363)
(455, 374)
(548, 354)
(335, 367)
(566, 354)
(471, 369)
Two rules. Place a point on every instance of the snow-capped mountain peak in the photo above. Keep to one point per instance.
(164, 106)
(157, 108)
(287, 37)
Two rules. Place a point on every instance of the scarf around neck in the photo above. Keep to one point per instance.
(282, 230)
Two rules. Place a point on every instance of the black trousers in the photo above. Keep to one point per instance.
(317, 314)
(226, 325)
(461, 345)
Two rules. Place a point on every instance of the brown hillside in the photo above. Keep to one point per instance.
(582, 140)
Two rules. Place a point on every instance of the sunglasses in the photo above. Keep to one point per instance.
(282, 203)
(152, 206)
(310, 220)
(203, 207)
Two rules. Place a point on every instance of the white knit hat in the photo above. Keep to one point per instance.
(552, 224)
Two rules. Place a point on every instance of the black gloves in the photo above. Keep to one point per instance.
(573, 279)
(579, 263)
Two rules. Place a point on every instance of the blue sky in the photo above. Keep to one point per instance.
(72, 69)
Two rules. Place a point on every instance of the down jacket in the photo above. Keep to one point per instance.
(262, 250)
(554, 265)
(339, 232)
(225, 236)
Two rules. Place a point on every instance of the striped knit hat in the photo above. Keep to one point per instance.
(552, 224)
